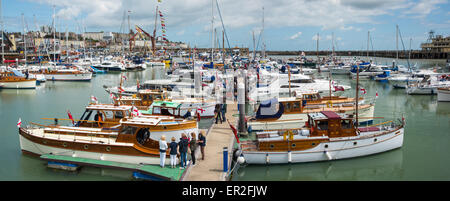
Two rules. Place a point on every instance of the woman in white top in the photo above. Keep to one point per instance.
(162, 150)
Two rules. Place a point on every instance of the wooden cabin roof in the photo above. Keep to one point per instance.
(331, 115)
(327, 115)
(108, 107)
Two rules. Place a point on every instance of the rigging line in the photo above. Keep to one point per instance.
(223, 26)
(401, 39)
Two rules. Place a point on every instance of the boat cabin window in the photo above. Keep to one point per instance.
(346, 124)
(165, 111)
(109, 114)
(296, 106)
(128, 130)
(322, 125)
(156, 110)
(288, 106)
(119, 115)
(157, 96)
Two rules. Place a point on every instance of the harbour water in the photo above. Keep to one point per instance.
(422, 157)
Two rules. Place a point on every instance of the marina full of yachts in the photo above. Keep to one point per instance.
(297, 111)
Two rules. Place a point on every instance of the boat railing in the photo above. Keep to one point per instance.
(91, 134)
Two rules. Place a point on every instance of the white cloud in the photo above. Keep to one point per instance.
(295, 36)
(327, 14)
(423, 8)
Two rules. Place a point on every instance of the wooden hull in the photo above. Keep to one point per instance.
(37, 142)
(331, 149)
(28, 84)
(443, 94)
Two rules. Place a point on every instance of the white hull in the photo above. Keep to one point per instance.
(69, 77)
(340, 71)
(343, 148)
(29, 84)
(443, 95)
(297, 121)
(421, 90)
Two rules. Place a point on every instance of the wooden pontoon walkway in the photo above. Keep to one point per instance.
(218, 137)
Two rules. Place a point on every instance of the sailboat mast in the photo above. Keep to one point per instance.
(24, 40)
(357, 95)
(368, 38)
(262, 33)
(212, 32)
(396, 41)
(317, 51)
(154, 32)
(54, 36)
(3, 34)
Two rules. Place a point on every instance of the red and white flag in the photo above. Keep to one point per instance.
(121, 90)
(124, 77)
(70, 116)
(363, 90)
(235, 131)
(94, 99)
(136, 112)
(112, 96)
(19, 123)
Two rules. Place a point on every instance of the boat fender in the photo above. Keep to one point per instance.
(289, 156)
(241, 159)
(328, 155)
(267, 158)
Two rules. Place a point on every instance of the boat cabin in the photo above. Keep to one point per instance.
(11, 77)
(103, 115)
(143, 98)
(331, 124)
(164, 108)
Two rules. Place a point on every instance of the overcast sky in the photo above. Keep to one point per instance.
(288, 24)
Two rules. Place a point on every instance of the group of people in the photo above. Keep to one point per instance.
(219, 112)
(183, 145)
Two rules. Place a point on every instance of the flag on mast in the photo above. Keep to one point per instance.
(70, 116)
(94, 99)
(19, 123)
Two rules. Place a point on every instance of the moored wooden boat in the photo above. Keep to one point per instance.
(67, 75)
(133, 140)
(9, 80)
(326, 136)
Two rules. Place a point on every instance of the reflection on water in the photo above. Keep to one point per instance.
(383, 166)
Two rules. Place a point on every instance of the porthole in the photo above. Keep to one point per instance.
(272, 146)
(86, 146)
(108, 148)
(313, 144)
(375, 140)
(165, 127)
(354, 143)
(293, 145)
(326, 146)
(65, 144)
